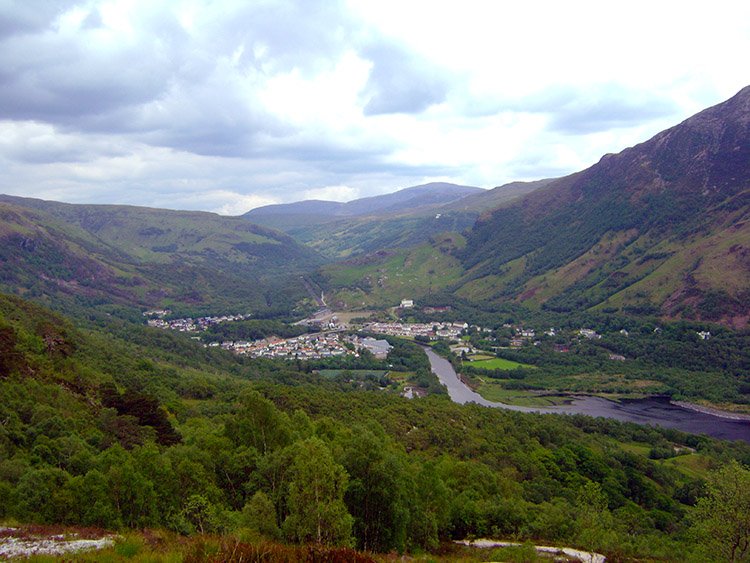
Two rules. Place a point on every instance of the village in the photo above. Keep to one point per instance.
(188, 325)
(333, 338)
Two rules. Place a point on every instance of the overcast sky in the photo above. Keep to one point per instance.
(228, 105)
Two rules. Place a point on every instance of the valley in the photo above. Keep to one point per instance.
(542, 362)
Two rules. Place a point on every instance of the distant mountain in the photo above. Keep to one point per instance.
(490, 199)
(98, 254)
(402, 201)
(659, 228)
(403, 219)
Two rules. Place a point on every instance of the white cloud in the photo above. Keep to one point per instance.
(231, 203)
(332, 193)
(224, 106)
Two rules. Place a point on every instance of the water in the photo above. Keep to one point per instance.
(655, 411)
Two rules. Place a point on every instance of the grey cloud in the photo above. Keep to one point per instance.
(576, 111)
(401, 81)
(61, 79)
(591, 114)
(32, 151)
(195, 90)
(190, 92)
(24, 17)
(303, 34)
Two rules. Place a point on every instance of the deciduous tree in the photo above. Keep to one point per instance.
(317, 512)
(722, 518)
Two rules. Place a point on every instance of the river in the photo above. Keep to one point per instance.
(655, 411)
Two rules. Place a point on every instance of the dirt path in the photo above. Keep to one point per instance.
(18, 543)
(585, 556)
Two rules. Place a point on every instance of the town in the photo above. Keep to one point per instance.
(188, 324)
(334, 339)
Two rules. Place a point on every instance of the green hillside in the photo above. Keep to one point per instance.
(349, 238)
(142, 257)
(384, 278)
(646, 231)
(131, 428)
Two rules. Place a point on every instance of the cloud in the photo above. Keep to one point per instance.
(609, 107)
(577, 110)
(227, 202)
(24, 17)
(333, 193)
(31, 142)
(402, 81)
(224, 105)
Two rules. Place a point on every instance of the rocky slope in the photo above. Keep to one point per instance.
(658, 228)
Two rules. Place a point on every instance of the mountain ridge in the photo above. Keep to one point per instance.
(392, 226)
(415, 196)
(142, 257)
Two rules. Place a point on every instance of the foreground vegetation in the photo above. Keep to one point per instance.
(126, 428)
(54, 542)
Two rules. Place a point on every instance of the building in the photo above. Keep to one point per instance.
(379, 348)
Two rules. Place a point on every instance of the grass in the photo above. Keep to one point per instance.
(358, 373)
(478, 357)
(383, 279)
(635, 448)
(694, 466)
(497, 393)
(152, 546)
(497, 363)
(400, 376)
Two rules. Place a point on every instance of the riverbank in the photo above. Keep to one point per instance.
(647, 411)
(549, 398)
(711, 411)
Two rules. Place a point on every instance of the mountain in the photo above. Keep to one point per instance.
(659, 228)
(403, 219)
(490, 199)
(403, 200)
(99, 254)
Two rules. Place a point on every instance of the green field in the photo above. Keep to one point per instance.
(689, 463)
(357, 373)
(496, 393)
(498, 363)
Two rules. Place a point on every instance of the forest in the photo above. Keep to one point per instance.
(128, 428)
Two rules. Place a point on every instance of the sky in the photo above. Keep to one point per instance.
(224, 105)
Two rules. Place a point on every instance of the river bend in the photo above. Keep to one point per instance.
(655, 411)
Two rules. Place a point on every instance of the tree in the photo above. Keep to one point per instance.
(317, 512)
(594, 518)
(92, 505)
(722, 518)
(197, 511)
(375, 494)
(260, 514)
(259, 424)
